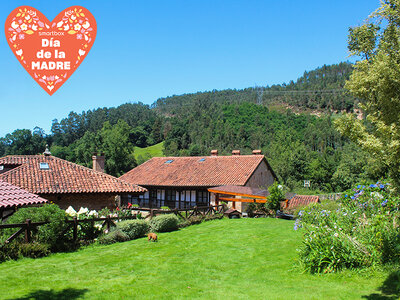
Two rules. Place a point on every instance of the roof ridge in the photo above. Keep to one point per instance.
(92, 170)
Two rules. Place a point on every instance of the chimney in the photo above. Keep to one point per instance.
(256, 152)
(214, 152)
(47, 151)
(98, 162)
(235, 152)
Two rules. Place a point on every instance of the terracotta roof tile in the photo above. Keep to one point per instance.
(61, 177)
(11, 195)
(195, 171)
(301, 200)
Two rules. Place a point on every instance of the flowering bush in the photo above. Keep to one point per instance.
(361, 229)
(86, 230)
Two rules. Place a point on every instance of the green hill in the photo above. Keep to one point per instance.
(144, 154)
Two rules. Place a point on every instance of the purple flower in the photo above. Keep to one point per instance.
(382, 186)
(79, 36)
(21, 36)
(297, 224)
(384, 203)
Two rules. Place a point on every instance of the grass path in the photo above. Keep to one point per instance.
(222, 259)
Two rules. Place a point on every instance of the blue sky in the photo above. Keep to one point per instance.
(145, 50)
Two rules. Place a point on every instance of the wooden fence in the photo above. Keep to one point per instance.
(108, 221)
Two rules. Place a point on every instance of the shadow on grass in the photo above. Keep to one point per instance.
(66, 294)
(390, 288)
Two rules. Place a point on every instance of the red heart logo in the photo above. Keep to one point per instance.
(50, 51)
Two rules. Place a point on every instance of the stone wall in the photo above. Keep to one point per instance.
(262, 177)
(95, 201)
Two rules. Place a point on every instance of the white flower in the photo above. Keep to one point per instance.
(24, 26)
(34, 27)
(98, 226)
(14, 25)
(81, 52)
(73, 17)
(66, 27)
(83, 211)
(86, 25)
(27, 17)
(19, 52)
(59, 24)
(93, 213)
(70, 211)
(336, 234)
(77, 27)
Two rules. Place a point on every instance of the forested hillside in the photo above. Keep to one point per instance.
(298, 145)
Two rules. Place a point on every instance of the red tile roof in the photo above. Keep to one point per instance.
(301, 200)
(196, 171)
(61, 177)
(11, 195)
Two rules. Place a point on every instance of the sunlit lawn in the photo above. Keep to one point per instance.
(222, 259)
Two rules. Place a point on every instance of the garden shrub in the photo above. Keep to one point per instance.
(190, 221)
(53, 234)
(114, 236)
(198, 219)
(164, 223)
(9, 251)
(134, 228)
(34, 250)
(359, 230)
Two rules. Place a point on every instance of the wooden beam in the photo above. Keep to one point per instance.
(236, 194)
(242, 200)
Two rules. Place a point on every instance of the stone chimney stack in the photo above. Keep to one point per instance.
(235, 152)
(214, 152)
(98, 162)
(256, 152)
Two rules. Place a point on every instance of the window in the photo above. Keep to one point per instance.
(1, 168)
(169, 161)
(170, 198)
(44, 166)
(153, 198)
(203, 159)
(202, 198)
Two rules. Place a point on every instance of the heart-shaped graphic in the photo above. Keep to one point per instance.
(50, 51)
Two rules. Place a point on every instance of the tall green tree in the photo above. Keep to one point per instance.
(119, 150)
(375, 80)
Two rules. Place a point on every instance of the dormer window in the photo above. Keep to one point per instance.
(203, 159)
(1, 167)
(44, 166)
(169, 161)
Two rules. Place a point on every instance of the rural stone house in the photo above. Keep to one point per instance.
(65, 183)
(183, 182)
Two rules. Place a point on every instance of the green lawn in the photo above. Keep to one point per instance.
(222, 259)
(143, 154)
